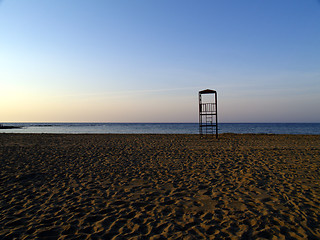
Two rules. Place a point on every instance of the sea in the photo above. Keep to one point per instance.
(162, 128)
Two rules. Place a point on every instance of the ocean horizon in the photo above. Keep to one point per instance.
(159, 128)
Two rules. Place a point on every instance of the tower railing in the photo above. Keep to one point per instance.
(208, 108)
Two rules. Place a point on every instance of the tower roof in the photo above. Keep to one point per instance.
(207, 91)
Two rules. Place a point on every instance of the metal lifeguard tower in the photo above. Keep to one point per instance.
(208, 112)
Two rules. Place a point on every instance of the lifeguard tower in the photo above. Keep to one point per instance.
(208, 112)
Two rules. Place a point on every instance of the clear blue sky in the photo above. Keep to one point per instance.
(146, 60)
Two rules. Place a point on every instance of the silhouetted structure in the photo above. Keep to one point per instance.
(8, 127)
(208, 113)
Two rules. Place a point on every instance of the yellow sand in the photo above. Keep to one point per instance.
(159, 186)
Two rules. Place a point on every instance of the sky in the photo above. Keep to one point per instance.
(146, 60)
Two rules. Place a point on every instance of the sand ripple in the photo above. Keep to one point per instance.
(159, 187)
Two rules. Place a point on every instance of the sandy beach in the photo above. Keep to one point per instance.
(55, 186)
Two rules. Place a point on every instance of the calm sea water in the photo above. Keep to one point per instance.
(179, 128)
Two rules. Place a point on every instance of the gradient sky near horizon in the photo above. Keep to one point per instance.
(146, 60)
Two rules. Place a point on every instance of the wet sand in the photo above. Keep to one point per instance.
(159, 186)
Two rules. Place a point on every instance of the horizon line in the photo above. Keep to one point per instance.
(62, 122)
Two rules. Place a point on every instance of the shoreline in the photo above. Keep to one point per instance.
(165, 134)
(159, 186)
(168, 128)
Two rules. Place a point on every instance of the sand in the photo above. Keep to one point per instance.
(55, 186)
